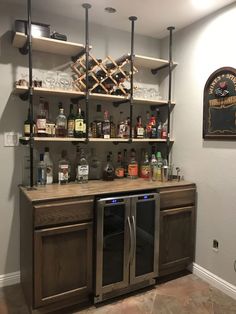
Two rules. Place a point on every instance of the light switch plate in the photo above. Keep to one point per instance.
(11, 139)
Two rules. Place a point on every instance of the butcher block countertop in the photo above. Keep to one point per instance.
(98, 188)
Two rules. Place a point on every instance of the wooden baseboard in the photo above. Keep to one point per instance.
(9, 279)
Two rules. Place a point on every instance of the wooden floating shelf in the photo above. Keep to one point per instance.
(54, 139)
(70, 93)
(108, 139)
(48, 45)
(149, 62)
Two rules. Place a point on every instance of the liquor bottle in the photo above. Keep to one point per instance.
(159, 166)
(148, 127)
(41, 171)
(126, 133)
(71, 123)
(153, 126)
(98, 121)
(63, 168)
(61, 124)
(41, 119)
(133, 165)
(145, 168)
(119, 170)
(164, 130)
(50, 125)
(49, 166)
(125, 163)
(106, 126)
(113, 127)
(153, 166)
(27, 125)
(94, 166)
(108, 171)
(139, 131)
(82, 169)
(121, 126)
(79, 124)
(84, 124)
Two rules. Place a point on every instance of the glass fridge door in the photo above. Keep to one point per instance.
(145, 225)
(113, 245)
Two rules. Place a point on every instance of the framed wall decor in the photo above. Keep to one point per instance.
(219, 105)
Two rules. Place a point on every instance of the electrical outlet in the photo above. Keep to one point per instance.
(215, 245)
(11, 139)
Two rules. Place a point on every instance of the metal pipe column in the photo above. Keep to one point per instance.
(132, 19)
(86, 6)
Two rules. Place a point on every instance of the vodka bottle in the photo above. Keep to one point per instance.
(49, 166)
(63, 168)
(41, 171)
(82, 169)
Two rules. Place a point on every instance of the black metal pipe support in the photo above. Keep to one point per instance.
(31, 140)
(170, 29)
(132, 19)
(86, 6)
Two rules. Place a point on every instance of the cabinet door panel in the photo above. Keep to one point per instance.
(176, 237)
(63, 262)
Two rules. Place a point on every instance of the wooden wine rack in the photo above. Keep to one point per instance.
(102, 74)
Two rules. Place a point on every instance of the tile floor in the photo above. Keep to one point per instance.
(185, 295)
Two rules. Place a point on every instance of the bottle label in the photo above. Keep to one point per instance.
(83, 171)
(41, 124)
(79, 125)
(106, 130)
(145, 171)
(49, 175)
(120, 172)
(84, 128)
(50, 129)
(27, 129)
(140, 132)
(133, 170)
(63, 174)
(71, 127)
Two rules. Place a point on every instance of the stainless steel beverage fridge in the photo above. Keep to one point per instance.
(127, 241)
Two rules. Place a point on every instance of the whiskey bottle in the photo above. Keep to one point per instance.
(84, 124)
(113, 127)
(79, 124)
(82, 169)
(71, 123)
(63, 169)
(133, 165)
(49, 166)
(139, 128)
(106, 126)
(41, 119)
(61, 124)
(27, 125)
(119, 170)
(108, 171)
(121, 126)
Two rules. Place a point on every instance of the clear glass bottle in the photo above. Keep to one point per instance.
(159, 166)
(61, 124)
(153, 167)
(109, 170)
(106, 125)
(49, 166)
(63, 168)
(94, 166)
(133, 165)
(121, 126)
(71, 122)
(82, 168)
(139, 130)
(41, 171)
(145, 168)
(119, 170)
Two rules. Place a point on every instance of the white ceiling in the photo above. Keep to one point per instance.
(153, 15)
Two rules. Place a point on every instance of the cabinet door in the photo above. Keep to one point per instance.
(145, 223)
(176, 239)
(62, 263)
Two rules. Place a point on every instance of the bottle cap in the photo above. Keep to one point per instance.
(158, 154)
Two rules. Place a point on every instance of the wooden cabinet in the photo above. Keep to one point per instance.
(56, 252)
(62, 263)
(177, 229)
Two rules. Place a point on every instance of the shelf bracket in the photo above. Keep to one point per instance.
(24, 96)
(25, 49)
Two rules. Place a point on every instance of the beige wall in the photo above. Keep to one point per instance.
(200, 49)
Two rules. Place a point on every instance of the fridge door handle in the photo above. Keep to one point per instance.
(131, 239)
(134, 239)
